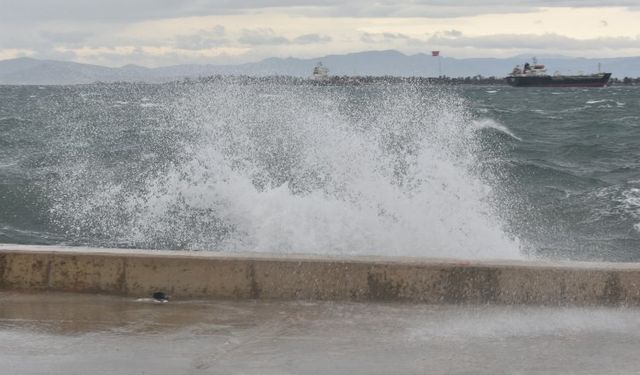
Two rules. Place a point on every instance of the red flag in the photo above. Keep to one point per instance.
(435, 53)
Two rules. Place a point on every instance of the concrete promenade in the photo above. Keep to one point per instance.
(202, 275)
(77, 334)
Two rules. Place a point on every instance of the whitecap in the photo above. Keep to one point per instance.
(149, 105)
(7, 165)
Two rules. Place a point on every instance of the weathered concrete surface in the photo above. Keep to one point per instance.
(254, 276)
(71, 334)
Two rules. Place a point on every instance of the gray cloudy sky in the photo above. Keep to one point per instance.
(164, 32)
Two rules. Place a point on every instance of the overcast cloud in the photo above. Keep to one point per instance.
(140, 10)
(161, 32)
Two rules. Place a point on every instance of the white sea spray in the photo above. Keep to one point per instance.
(302, 170)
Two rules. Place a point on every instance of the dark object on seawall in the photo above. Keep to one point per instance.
(160, 297)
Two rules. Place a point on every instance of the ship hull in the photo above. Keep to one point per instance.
(596, 80)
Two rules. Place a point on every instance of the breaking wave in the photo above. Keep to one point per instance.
(388, 171)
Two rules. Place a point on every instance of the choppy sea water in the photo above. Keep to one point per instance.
(466, 172)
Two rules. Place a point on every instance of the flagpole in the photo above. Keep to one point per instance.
(436, 54)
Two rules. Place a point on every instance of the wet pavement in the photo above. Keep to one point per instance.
(57, 333)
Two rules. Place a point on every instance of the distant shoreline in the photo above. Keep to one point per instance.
(328, 81)
(362, 80)
(359, 67)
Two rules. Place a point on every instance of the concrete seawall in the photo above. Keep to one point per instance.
(198, 275)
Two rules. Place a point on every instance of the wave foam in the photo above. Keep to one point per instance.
(305, 170)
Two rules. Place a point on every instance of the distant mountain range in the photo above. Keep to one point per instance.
(374, 63)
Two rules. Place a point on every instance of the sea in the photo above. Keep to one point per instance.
(391, 169)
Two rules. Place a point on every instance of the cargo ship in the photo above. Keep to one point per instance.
(535, 75)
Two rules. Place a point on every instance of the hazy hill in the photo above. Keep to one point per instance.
(377, 63)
